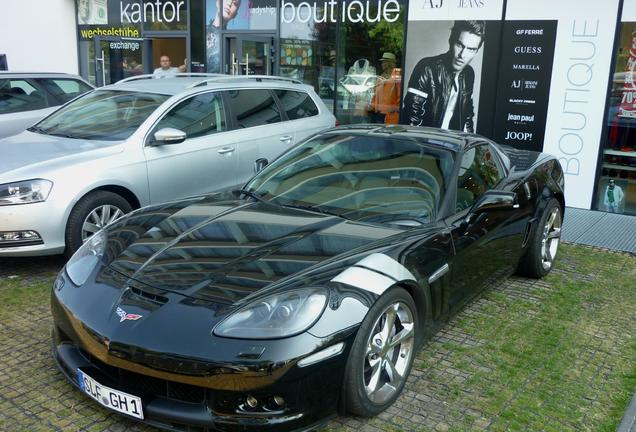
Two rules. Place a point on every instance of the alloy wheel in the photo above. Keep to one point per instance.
(99, 218)
(551, 238)
(389, 351)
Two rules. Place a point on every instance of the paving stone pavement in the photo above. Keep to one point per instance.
(35, 396)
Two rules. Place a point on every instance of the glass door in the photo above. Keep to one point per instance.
(249, 55)
(118, 58)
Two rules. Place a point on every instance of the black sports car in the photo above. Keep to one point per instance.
(309, 290)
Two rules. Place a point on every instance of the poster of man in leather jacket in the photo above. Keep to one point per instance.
(440, 88)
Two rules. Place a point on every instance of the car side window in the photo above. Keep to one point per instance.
(19, 95)
(197, 116)
(297, 104)
(479, 171)
(64, 89)
(253, 107)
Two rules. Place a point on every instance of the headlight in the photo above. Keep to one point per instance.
(25, 192)
(276, 316)
(82, 263)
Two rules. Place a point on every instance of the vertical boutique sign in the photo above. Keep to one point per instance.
(578, 84)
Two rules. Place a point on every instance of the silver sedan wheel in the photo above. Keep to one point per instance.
(551, 238)
(389, 351)
(99, 218)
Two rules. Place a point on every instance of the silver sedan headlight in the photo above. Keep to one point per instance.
(25, 192)
(276, 316)
(83, 262)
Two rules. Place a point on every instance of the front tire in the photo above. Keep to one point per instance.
(91, 213)
(382, 354)
(543, 246)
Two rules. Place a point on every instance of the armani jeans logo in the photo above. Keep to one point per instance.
(433, 4)
(470, 4)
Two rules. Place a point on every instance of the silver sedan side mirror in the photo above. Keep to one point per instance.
(169, 136)
(259, 164)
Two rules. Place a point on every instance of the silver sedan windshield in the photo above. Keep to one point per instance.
(101, 115)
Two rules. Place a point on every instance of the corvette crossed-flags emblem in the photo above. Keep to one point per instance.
(123, 316)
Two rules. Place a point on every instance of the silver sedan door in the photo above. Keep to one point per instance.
(206, 161)
(259, 130)
(304, 116)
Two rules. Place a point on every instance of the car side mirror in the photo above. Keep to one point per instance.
(259, 164)
(495, 200)
(169, 136)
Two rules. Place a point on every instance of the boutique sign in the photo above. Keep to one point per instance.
(332, 11)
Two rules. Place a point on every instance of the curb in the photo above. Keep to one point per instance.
(628, 424)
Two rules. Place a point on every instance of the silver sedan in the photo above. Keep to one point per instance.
(139, 142)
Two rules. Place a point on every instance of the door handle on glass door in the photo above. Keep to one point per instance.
(286, 138)
(225, 150)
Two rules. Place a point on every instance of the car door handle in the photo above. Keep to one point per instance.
(225, 150)
(286, 138)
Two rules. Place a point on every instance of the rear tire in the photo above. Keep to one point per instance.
(91, 213)
(544, 243)
(381, 355)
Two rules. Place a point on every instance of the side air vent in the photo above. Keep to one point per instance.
(526, 236)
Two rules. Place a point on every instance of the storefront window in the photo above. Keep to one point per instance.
(370, 53)
(616, 191)
(358, 76)
(87, 60)
(308, 46)
(123, 38)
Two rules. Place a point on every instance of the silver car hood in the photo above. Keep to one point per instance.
(28, 149)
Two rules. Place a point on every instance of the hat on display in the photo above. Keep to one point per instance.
(388, 56)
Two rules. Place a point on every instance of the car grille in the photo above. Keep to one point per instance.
(146, 386)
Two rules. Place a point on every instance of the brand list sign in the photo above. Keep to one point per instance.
(524, 83)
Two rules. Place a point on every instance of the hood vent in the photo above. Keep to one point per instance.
(146, 295)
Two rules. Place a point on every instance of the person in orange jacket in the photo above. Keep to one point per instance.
(386, 100)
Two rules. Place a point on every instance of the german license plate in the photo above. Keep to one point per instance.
(111, 398)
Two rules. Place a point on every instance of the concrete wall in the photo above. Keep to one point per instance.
(39, 35)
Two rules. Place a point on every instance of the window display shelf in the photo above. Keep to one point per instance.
(619, 167)
(620, 153)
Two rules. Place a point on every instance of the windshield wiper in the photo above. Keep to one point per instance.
(315, 209)
(251, 194)
(64, 135)
(36, 129)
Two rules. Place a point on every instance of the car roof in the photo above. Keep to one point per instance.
(184, 82)
(453, 140)
(8, 74)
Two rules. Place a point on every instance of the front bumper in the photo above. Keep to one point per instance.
(174, 406)
(215, 400)
(46, 218)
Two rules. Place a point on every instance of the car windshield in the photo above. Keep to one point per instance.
(360, 177)
(109, 115)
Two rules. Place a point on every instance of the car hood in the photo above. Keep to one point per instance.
(28, 149)
(222, 251)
